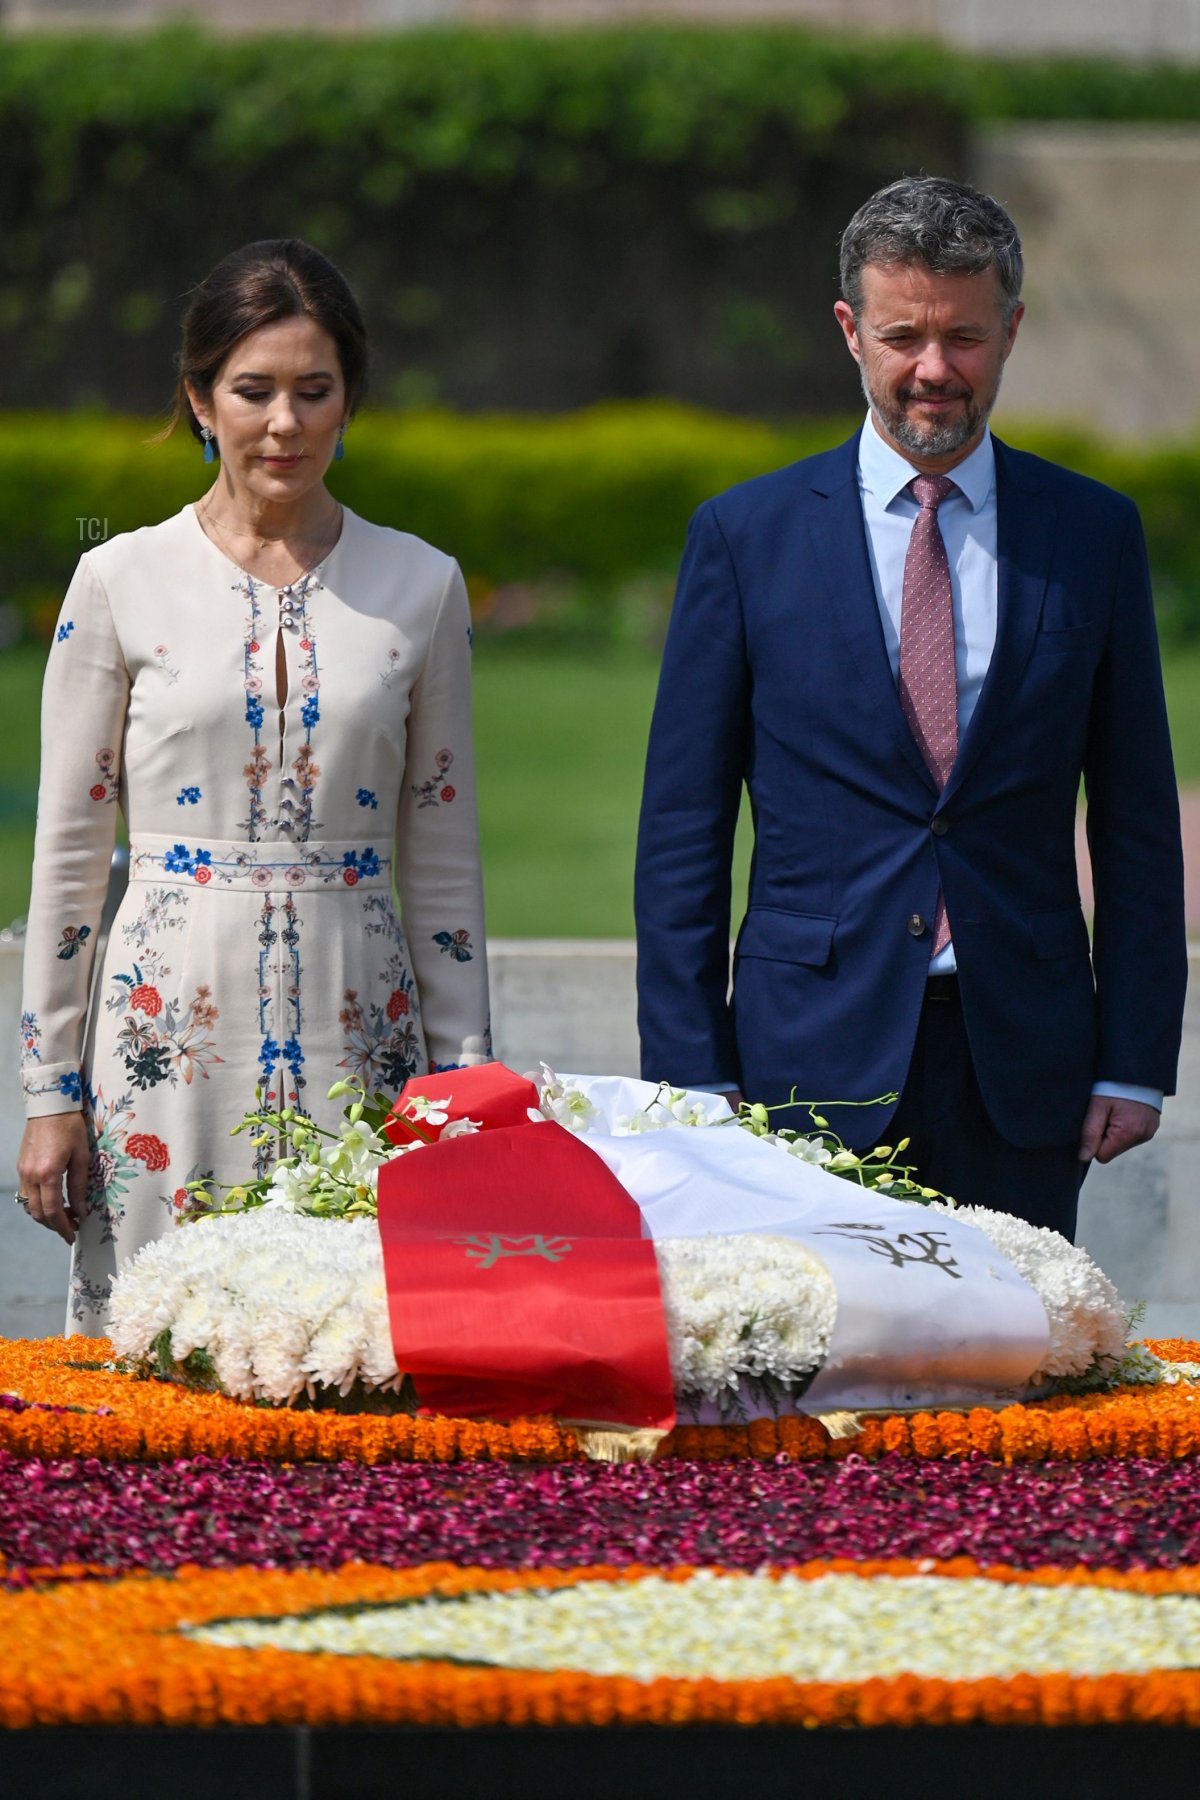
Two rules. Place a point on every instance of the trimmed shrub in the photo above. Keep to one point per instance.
(597, 498)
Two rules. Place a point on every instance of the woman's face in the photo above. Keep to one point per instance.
(277, 404)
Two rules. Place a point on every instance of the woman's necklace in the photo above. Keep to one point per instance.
(324, 545)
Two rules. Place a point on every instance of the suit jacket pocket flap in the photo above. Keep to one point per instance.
(787, 937)
(1059, 933)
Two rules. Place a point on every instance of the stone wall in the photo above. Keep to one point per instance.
(1152, 28)
(1109, 216)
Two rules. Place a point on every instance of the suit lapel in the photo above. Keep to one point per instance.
(1025, 521)
(839, 539)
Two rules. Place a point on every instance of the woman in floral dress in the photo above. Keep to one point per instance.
(276, 695)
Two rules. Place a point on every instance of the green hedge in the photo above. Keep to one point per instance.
(530, 220)
(533, 219)
(485, 103)
(598, 497)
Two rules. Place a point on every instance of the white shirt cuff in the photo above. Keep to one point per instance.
(1121, 1090)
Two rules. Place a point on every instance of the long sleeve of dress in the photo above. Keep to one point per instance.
(438, 875)
(84, 701)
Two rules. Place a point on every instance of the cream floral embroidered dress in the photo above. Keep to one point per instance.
(257, 941)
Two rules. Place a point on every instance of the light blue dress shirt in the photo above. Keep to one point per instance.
(968, 524)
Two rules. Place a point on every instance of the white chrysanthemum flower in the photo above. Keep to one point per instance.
(284, 1302)
(744, 1306)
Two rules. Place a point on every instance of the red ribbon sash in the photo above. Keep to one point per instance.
(518, 1277)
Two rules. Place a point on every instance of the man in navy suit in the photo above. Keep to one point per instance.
(913, 923)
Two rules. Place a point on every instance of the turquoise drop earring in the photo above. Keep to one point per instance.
(340, 448)
(210, 453)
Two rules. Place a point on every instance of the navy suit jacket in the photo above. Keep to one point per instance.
(775, 674)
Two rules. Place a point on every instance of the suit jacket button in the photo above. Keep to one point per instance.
(917, 925)
(939, 826)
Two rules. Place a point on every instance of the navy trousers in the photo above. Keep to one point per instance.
(956, 1148)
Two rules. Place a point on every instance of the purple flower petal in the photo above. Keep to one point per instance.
(1108, 1513)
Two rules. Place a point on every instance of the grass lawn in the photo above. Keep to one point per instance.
(560, 744)
(561, 738)
(1181, 676)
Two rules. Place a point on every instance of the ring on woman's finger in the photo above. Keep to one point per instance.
(22, 1200)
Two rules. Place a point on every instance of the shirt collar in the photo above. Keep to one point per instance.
(886, 474)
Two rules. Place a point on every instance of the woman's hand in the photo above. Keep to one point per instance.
(51, 1149)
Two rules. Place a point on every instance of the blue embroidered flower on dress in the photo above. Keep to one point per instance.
(188, 796)
(70, 1086)
(65, 630)
(365, 862)
(179, 860)
(257, 769)
(365, 797)
(73, 939)
(456, 943)
(310, 712)
(268, 1056)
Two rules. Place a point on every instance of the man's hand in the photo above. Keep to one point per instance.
(1112, 1126)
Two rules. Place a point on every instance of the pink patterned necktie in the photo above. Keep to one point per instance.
(928, 674)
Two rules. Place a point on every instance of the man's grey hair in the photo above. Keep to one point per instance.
(949, 227)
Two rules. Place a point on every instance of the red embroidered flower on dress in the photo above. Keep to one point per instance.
(397, 1005)
(253, 646)
(203, 874)
(144, 1147)
(147, 999)
(180, 1197)
(350, 877)
(448, 793)
(98, 792)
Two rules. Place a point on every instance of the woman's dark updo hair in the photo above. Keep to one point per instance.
(276, 278)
